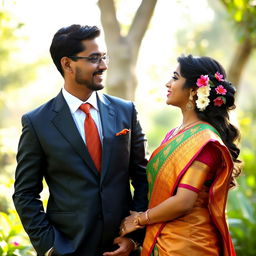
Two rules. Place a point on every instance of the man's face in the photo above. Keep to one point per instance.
(86, 72)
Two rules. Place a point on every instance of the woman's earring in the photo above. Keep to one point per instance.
(190, 105)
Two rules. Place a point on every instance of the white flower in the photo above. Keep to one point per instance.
(202, 102)
(202, 97)
(203, 91)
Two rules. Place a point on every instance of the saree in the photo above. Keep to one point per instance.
(167, 165)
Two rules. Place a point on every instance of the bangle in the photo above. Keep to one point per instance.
(147, 217)
(136, 245)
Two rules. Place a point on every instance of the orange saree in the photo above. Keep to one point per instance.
(204, 230)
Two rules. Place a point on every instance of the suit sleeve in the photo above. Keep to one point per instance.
(138, 176)
(27, 189)
(138, 164)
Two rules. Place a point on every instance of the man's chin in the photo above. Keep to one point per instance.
(99, 87)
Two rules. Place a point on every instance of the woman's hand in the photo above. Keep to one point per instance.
(130, 223)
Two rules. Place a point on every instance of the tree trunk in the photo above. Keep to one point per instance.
(241, 57)
(123, 50)
(121, 75)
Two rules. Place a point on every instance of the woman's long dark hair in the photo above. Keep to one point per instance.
(191, 68)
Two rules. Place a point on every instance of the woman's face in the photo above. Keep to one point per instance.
(177, 95)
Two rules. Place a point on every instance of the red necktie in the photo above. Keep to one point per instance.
(92, 136)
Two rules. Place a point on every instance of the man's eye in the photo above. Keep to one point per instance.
(94, 59)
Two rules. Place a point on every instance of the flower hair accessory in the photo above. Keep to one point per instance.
(203, 92)
(219, 76)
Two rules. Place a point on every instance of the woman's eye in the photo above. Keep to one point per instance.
(174, 78)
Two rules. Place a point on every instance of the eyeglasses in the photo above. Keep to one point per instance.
(93, 59)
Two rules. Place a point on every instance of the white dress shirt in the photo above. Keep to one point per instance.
(79, 116)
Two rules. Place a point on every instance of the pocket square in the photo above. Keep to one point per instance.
(124, 131)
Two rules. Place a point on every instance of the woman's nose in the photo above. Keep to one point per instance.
(168, 84)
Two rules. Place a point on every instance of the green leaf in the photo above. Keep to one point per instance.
(251, 181)
(238, 16)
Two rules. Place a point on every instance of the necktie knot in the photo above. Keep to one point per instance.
(85, 108)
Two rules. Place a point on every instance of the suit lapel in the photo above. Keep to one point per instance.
(108, 121)
(65, 124)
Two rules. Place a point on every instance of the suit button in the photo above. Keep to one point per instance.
(100, 216)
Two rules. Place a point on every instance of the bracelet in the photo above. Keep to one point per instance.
(136, 245)
(147, 217)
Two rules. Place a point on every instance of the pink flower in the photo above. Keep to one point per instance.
(221, 90)
(219, 76)
(202, 81)
(15, 243)
(218, 101)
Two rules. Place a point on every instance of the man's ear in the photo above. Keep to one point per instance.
(66, 65)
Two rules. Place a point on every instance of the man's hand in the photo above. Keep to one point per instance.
(125, 247)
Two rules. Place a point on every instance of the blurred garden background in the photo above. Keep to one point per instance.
(144, 39)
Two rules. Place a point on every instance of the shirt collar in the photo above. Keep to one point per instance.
(74, 103)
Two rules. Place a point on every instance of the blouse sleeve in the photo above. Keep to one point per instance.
(198, 172)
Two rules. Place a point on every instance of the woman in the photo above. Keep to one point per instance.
(191, 172)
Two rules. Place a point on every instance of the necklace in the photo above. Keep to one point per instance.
(181, 128)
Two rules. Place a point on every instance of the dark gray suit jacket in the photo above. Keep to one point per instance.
(84, 209)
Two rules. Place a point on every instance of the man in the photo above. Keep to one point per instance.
(87, 153)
